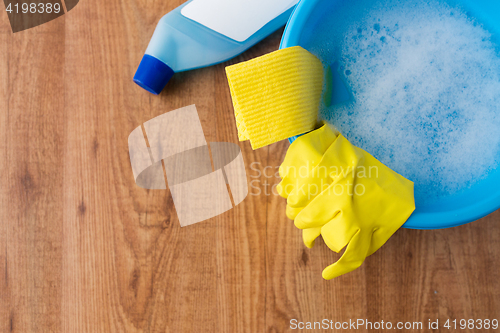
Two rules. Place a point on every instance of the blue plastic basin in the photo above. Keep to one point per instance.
(469, 205)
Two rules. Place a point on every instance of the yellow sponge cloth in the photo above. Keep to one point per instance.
(276, 96)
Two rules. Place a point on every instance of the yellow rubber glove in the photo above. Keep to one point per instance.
(344, 194)
(311, 154)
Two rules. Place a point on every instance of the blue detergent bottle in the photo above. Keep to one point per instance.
(201, 33)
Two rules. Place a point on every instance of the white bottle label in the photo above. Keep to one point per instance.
(236, 19)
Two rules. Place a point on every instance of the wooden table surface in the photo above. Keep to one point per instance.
(83, 249)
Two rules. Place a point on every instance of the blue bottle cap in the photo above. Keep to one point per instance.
(153, 74)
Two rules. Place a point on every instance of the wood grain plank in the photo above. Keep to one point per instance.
(108, 280)
(5, 291)
(33, 140)
(4, 22)
(155, 275)
(241, 232)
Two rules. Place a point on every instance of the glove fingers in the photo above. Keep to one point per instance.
(352, 258)
(292, 212)
(338, 232)
(310, 235)
(305, 153)
(280, 188)
(309, 186)
(309, 147)
(324, 207)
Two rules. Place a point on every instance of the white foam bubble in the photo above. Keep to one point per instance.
(425, 80)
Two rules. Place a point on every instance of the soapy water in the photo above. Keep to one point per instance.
(424, 80)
